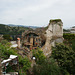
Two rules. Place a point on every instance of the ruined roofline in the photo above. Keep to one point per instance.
(32, 33)
(37, 31)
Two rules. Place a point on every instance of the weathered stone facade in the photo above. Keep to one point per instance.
(48, 36)
(54, 34)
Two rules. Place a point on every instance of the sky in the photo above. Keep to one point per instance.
(37, 12)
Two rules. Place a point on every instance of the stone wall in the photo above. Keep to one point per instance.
(54, 33)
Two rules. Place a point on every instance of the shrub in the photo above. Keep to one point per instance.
(40, 58)
(48, 67)
(25, 63)
(65, 57)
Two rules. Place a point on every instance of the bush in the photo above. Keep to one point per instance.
(45, 66)
(40, 58)
(69, 36)
(48, 67)
(65, 57)
(25, 63)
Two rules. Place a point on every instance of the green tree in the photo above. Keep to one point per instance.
(7, 37)
(48, 67)
(45, 66)
(40, 58)
(65, 57)
(25, 63)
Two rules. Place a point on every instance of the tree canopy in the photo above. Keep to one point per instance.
(65, 57)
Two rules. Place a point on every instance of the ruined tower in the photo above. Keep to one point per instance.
(54, 34)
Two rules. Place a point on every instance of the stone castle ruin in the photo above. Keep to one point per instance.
(44, 37)
(54, 34)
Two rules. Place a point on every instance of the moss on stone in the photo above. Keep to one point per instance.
(55, 20)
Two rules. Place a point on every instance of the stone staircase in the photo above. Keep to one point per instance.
(23, 51)
(26, 51)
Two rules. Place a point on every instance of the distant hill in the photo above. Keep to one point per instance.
(12, 29)
(12, 25)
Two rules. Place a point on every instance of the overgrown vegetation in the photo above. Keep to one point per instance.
(69, 36)
(61, 62)
(44, 66)
(65, 57)
(40, 58)
(48, 67)
(6, 51)
(69, 39)
(56, 20)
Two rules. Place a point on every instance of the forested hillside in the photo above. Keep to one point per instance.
(14, 30)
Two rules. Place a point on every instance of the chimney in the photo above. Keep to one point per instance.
(18, 42)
